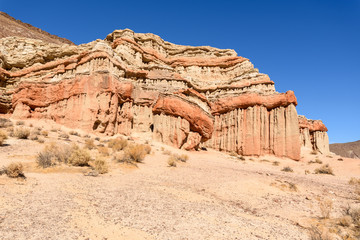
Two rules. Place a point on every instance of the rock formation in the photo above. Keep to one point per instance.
(313, 134)
(138, 83)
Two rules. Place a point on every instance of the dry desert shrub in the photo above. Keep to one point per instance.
(325, 206)
(315, 161)
(167, 152)
(317, 234)
(86, 136)
(287, 169)
(313, 152)
(79, 157)
(45, 159)
(135, 153)
(40, 140)
(22, 133)
(3, 137)
(354, 181)
(276, 163)
(118, 144)
(101, 166)
(64, 135)
(89, 144)
(340, 159)
(324, 169)
(45, 133)
(147, 148)
(182, 157)
(5, 123)
(20, 123)
(74, 133)
(171, 161)
(15, 170)
(103, 151)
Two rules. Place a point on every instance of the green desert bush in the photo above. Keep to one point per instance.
(22, 133)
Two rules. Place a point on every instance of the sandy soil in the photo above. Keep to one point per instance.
(211, 196)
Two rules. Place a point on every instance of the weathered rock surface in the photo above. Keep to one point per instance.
(349, 149)
(138, 83)
(313, 135)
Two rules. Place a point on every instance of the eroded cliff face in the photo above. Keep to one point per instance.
(313, 135)
(138, 83)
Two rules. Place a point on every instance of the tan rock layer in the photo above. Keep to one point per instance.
(175, 106)
(225, 105)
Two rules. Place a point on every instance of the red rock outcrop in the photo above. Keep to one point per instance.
(133, 83)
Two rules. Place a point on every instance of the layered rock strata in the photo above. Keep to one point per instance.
(138, 83)
(313, 135)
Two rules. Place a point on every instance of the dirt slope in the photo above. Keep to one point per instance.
(12, 27)
(350, 149)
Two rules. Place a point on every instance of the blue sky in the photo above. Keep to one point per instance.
(310, 47)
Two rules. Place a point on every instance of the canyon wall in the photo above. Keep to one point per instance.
(131, 83)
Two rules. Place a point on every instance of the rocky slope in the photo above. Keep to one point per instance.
(132, 83)
(350, 149)
(12, 27)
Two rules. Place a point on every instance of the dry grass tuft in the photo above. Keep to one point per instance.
(287, 169)
(276, 163)
(74, 133)
(79, 157)
(20, 123)
(325, 169)
(5, 123)
(89, 144)
(101, 166)
(315, 161)
(3, 137)
(325, 206)
(22, 133)
(64, 135)
(118, 144)
(45, 133)
(15, 170)
(103, 151)
(171, 161)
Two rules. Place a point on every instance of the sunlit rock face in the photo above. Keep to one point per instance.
(131, 83)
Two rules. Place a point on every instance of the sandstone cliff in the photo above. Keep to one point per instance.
(138, 83)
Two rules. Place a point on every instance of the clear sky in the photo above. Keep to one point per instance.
(309, 46)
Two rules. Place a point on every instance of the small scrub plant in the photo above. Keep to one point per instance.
(15, 170)
(315, 161)
(147, 148)
(135, 153)
(182, 157)
(101, 166)
(118, 144)
(89, 144)
(45, 159)
(79, 157)
(171, 161)
(324, 169)
(40, 140)
(5, 123)
(313, 152)
(167, 152)
(103, 151)
(45, 133)
(33, 137)
(86, 136)
(3, 137)
(287, 169)
(74, 133)
(340, 159)
(22, 133)
(20, 123)
(64, 135)
(276, 163)
(325, 206)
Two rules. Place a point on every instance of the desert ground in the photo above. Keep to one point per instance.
(213, 195)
